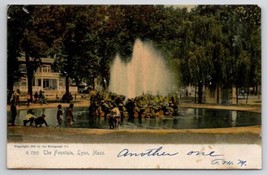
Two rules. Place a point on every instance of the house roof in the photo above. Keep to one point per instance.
(44, 60)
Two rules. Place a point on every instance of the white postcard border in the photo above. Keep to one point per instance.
(134, 156)
(5, 146)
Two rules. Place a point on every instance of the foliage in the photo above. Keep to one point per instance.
(211, 45)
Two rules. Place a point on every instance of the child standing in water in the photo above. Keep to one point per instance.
(69, 115)
(59, 116)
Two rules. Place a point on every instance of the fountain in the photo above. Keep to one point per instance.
(145, 73)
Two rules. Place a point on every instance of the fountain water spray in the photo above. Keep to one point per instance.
(145, 73)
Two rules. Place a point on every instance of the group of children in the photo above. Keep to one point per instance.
(30, 118)
(69, 116)
(39, 121)
(41, 98)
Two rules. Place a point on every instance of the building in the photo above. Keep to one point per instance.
(45, 79)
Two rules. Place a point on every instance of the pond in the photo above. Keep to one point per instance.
(188, 118)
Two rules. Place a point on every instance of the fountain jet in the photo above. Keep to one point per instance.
(145, 73)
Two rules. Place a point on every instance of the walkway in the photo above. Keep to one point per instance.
(77, 103)
(240, 135)
(242, 107)
(85, 103)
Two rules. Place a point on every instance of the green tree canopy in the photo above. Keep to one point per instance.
(211, 45)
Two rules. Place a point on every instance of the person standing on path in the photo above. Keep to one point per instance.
(36, 96)
(17, 94)
(13, 109)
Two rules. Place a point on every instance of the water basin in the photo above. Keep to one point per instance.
(188, 118)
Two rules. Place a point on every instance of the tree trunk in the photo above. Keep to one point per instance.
(67, 85)
(200, 92)
(93, 83)
(195, 94)
(236, 93)
(247, 95)
(10, 85)
(29, 74)
(105, 83)
(12, 76)
(218, 94)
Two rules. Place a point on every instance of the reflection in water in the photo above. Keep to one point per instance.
(188, 118)
(175, 123)
(234, 116)
(216, 119)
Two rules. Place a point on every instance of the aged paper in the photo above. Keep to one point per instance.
(134, 87)
(129, 156)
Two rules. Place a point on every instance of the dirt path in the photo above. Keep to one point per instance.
(246, 135)
(251, 108)
(85, 103)
(81, 103)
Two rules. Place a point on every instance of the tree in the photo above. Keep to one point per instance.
(202, 60)
(27, 42)
(227, 33)
(209, 44)
(16, 26)
(243, 35)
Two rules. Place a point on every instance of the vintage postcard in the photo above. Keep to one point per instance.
(134, 87)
